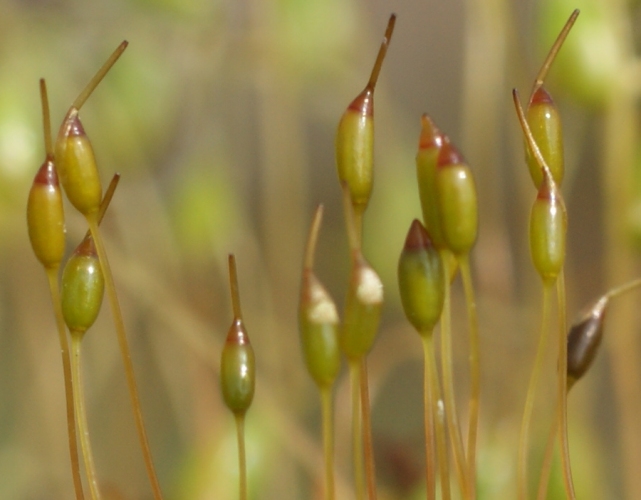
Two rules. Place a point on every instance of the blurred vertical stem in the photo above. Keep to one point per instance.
(621, 131)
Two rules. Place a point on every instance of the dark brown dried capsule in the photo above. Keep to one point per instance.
(584, 340)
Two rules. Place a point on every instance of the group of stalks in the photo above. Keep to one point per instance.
(77, 296)
(436, 251)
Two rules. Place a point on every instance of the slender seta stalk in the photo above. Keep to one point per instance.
(46, 227)
(318, 325)
(238, 374)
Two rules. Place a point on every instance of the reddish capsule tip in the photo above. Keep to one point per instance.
(547, 189)
(417, 237)
(47, 175)
(541, 96)
(75, 127)
(449, 155)
(87, 247)
(364, 103)
(431, 135)
(237, 334)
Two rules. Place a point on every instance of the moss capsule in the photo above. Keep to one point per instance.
(77, 166)
(548, 228)
(45, 216)
(83, 287)
(319, 324)
(545, 123)
(421, 280)
(363, 306)
(584, 340)
(355, 137)
(237, 369)
(457, 199)
(429, 146)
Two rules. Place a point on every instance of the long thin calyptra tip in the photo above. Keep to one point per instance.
(233, 285)
(312, 238)
(93, 83)
(382, 52)
(46, 119)
(545, 67)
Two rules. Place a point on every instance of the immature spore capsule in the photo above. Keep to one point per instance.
(83, 286)
(45, 216)
(421, 280)
(545, 123)
(457, 199)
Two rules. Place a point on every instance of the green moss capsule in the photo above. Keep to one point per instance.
(77, 166)
(237, 363)
(83, 287)
(45, 216)
(429, 146)
(237, 369)
(363, 306)
(421, 280)
(584, 340)
(457, 199)
(355, 137)
(319, 324)
(548, 228)
(545, 123)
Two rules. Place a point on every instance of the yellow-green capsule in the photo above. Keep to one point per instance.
(77, 166)
(83, 287)
(584, 340)
(548, 228)
(355, 136)
(45, 216)
(545, 123)
(355, 149)
(363, 306)
(429, 145)
(318, 323)
(421, 280)
(237, 369)
(457, 199)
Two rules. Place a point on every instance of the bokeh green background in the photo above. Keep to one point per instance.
(221, 117)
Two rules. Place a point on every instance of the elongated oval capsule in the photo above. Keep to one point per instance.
(237, 369)
(45, 216)
(421, 280)
(319, 324)
(363, 306)
(429, 146)
(545, 123)
(83, 287)
(237, 363)
(457, 199)
(355, 136)
(77, 166)
(548, 228)
(584, 340)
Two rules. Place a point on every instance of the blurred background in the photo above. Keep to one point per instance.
(221, 117)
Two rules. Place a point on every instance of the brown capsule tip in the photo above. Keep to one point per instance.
(86, 247)
(449, 155)
(417, 237)
(541, 96)
(431, 135)
(47, 174)
(363, 104)
(548, 189)
(75, 127)
(237, 335)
